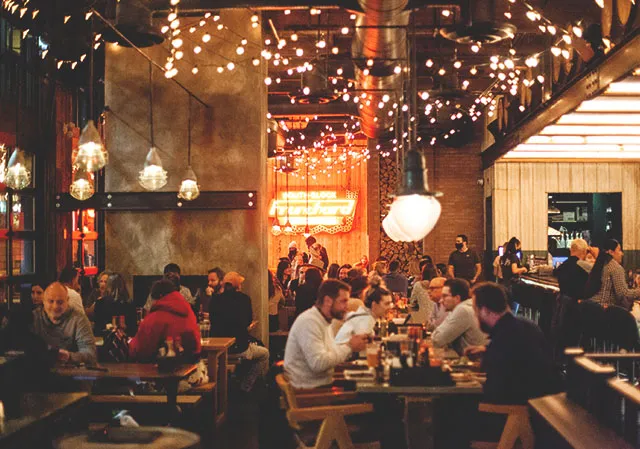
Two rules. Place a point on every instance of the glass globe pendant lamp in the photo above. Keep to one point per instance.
(82, 186)
(189, 189)
(153, 176)
(92, 155)
(18, 175)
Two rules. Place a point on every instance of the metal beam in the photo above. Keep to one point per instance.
(622, 60)
(157, 201)
(336, 108)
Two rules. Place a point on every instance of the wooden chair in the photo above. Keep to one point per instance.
(517, 427)
(333, 425)
(286, 315)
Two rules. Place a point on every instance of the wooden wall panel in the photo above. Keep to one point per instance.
(342, 247)
(520, 192)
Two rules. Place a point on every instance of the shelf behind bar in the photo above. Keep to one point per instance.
(156, 201)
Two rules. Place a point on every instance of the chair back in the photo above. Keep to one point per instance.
(592, 325)
(621, 328)
(286, 315)
(288, 398)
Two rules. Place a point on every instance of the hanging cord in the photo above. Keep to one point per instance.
(151, 104)
(275, 174)
(91, 75)
(189, 134)
(287, 180)
(18, 108)
(307, 179)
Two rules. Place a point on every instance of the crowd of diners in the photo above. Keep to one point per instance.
(337, 308)
(65, 325)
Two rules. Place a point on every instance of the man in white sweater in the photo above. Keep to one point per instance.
(311, 352)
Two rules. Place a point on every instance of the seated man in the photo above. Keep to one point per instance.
(231, 314)
(311, 352)
(460, 328)
(170, 316)
(438, 313)
(63, 327)
(172, 273)
(518, 361)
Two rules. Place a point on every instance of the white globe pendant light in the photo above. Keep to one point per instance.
(415, 211)
(18, 175)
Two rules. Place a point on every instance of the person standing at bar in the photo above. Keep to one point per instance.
(464, 263)
(572, 274)
(510, 262)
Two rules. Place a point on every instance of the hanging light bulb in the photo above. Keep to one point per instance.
(82, 186)
(189, 189)
(276, 226)
(92, 154)
(153, 176)
(288, 229)
(18, 175)
(307, 232)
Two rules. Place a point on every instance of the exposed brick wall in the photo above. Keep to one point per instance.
(454, 172)
(402, 251)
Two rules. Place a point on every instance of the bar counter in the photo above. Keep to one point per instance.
(536, 294)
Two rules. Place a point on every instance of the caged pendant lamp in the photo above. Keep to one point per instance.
(152, 176)
(189, 189)
(18, 175)
(92, 154)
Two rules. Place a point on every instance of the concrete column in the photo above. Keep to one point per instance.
(228, 153)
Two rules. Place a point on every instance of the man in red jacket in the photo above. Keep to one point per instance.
(170, 316)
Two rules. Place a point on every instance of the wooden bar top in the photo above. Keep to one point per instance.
(129, 371)
(575, 425)
(217, 343)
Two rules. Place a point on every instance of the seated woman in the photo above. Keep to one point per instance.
(170, 317)
(377, 302)
(114, 303)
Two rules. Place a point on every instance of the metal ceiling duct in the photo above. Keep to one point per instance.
(479, 25)
(380, 36)
(134, 20)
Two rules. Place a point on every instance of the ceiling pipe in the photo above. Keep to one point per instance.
(380, 36)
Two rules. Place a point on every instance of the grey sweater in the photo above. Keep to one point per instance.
(72, 333)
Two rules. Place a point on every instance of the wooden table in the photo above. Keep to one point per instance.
(217, 350)
(132, 372)
(37, 411)
(168, 437)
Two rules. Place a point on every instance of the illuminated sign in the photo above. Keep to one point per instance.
(326, 210)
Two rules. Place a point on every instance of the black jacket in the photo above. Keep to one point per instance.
(518, 362)
(107, 308)
(306, 295)
(231, 314)
(572, 278)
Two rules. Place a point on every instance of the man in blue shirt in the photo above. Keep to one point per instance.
(395, 280)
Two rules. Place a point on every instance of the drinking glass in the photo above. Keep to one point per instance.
(373, 356)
